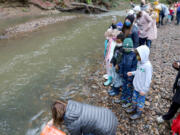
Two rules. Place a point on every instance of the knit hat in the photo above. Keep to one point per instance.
(130, 18)
(127, 43)
(131, 12)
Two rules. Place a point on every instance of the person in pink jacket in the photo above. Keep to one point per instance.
(152, 34)
(144, 23)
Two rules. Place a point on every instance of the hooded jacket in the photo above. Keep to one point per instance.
(143, 73)
(83, 119)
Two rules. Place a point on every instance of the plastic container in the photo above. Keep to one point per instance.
(51, 130)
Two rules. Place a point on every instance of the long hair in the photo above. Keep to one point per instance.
(58, 109)
(126, 30)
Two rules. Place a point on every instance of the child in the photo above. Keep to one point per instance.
(141, 82)
(109, 54)
(176, 99)
(171, 14)
(128, 63)
(115, 61)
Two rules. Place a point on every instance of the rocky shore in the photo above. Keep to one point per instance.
(164, 51)
(33, 25)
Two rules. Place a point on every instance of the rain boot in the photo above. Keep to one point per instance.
(108, 82)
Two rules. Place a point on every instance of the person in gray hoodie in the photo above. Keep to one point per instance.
(141, 82)
(84, 119)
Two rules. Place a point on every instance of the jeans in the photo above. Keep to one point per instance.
(172, 111)
(138, 100)
(178, 17)
(142, 41)
(161, 17)
(127, 91)
(148, 43)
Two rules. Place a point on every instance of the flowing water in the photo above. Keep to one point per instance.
(45, 65)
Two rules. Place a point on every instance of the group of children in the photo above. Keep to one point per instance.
(128, 68)
(127, 64)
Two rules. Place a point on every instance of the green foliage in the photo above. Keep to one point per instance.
(89, 1)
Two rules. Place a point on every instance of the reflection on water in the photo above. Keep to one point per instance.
(43, 66)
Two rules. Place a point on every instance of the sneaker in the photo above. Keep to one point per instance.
(131, 110)
(160, 119)
(111, 90)
(135, 116)
(114, 93)
(126, 105)
(118, 101)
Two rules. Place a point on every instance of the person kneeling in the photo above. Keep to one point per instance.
(84, 119)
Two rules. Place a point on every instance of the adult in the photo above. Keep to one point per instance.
(178, 15)
(84, 119)
(176, 98)
(144, 23)
(152, 35)
(131, 30)
(163, 13)
(157, 9)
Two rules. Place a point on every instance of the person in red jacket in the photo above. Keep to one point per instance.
(176, 126)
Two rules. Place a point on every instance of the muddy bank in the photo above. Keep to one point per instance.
(163, 52)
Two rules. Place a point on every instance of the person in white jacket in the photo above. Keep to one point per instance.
(141, 82)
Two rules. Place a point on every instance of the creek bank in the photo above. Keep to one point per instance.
(33, 25)
(164, 51)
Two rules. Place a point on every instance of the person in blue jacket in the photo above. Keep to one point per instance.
(128, 63)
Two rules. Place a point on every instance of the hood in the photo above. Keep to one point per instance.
(73, 111)
(144, 53)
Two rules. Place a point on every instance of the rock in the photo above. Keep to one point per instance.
(147, 103)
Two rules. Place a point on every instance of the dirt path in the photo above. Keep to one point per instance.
(164, 51)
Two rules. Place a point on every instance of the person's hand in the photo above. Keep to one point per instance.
(110, 64)
(50, 123)
(117, 67)
(129, 74)
(176, 64)
(142, 93)
(129, 85)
